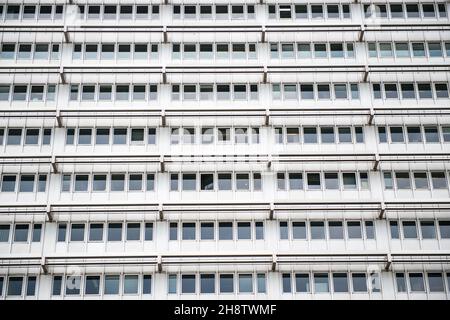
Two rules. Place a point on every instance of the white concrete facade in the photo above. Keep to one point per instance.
(186, 171)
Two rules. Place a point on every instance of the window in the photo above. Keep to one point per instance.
(173, 231)
(15, 285)
(242, 181)
(207, 283)
(309, 135)
(77, 232)
(8, 183)
(428, 229)
(172, 283)
(416, 282)
(206, 181)
(207, 231)
(286, 282)
(335, 230)
(73, 284)
(359, 282)
(349, 180)
(441, 88)
(244, 230)
(81, 182)
(317, 229)
(189, 181)
(400, 281)
(114, 231)
(147, 284)
(31, 136)
(112, 284)
(26, 183)
(424, 91)
(298, 230)
(331, 180)
(421, 180)
(414, 134)
(119, 136)
(4, 233)
(444, 229)
(321, 282)
(409, 229)
(99, 182)
(148, 231)
(130, 284)
(354, 230)
(56, 285)
(135, 182)
(438, 180)
(418, 49)
(224, 181)
(96, 232)
(340, 282)
(295, 181)
(188, 283)
(62, 227)
(435, 282)
(313, 181)
(396, 134)
(21, 232)
(188, 231)
(245, 283)
(92, 285)
(31, 286)
(393, 226)
(226, 283)
(225, 231)
(133, 231)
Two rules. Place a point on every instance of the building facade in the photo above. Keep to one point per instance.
(244, 149)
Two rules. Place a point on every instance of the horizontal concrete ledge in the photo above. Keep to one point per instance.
(258, 258)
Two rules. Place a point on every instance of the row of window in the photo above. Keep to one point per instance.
(413, 134)
(28, 136)
(55, 12)
(228, 230)
(316, 91)
(309, 11)
(406, 10)
(31, 12)
(322, 181)
(330, 230)
(98, 232)
(107, 284)
(237, 135)
(208, 92)
(410, 90)
(423, 180)
(208, 135)
(23, 232)
(29, 51)
(236, 92)
(415, 282)
(27, 92)
(336, 282)
(17, 286)
(214, 12)
(99, 182)
(26, 183)
(212, 283)
(116, 92)
(194, 51)
(224, 11)
(306, 50)
(221, 181)
(421, 229)
(322, 134)
(111, 51)
(408, 49)
(106, 136)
